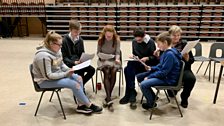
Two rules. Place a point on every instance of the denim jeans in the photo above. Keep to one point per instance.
(71, 83)
(147, 90)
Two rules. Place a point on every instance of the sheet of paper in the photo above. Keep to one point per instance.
(135, 58)
(189, 46)
(105, 56)
(84, 57)
(130, 59)
(142, 63)
(82, 65)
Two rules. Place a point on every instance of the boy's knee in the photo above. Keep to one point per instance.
(142, 86)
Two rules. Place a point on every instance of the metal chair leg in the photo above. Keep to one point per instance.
(167, 96)
(39, 103)
(142, 99)
(93, 85)
(207, 68)
(51, 96)
(122, 79)
(96, 82)
(199, 67)
(101, 75)
(214, 72)
(119, 90)
(75, 100)
(210, 66)
(154, 103)
(177, 104)
(61, 105)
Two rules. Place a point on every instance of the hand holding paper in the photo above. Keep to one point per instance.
(189, 46)
(82, 65)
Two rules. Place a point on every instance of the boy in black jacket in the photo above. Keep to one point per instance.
(143, 46)
(72, 50)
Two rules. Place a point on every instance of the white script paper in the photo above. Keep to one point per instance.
(84, 57)
(105, 56)
(189, 46)
(82, 65)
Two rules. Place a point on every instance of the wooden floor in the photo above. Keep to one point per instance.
(16, 88)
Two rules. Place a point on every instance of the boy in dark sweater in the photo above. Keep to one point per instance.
(72, 50)
(142, 46)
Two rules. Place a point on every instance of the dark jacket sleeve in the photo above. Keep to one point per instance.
(153, 60)
(66, 54)
(134, 52)
(81, 46)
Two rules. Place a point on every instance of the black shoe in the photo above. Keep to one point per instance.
(133, 105)
(184, 104)
(83, 109)
(133, 95)
(148, 106)
(124, 100)
(95, 109)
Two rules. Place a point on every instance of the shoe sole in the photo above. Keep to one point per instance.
(84, 112)
(98, 112)
(133, 106)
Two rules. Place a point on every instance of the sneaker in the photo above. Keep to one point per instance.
(83, 109)
(133, 105)
(147, 106)
(184, 104)
(124, 100)
(95, 109)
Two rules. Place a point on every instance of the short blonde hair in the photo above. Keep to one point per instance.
(175, 29)
(51, 36)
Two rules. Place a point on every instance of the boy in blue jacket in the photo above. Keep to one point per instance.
(165, 73)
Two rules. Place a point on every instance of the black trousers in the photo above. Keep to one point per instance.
(133, 68)
(189, 80)
(86, 73)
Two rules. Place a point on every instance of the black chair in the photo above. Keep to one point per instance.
(213, 57)
(43, 90)
(171, 88)
(120, 70)
(198, 56)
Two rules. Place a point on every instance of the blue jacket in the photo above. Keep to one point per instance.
(169, 67)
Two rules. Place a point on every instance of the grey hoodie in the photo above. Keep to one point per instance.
(48, 65)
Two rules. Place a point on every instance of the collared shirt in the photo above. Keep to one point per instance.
(74, 40)
(146, 38)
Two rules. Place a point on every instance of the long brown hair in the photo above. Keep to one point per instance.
(109, 28)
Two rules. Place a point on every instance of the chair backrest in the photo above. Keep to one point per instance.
(198, 50)
(214, 47)
(180, 80)
(36, 86)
